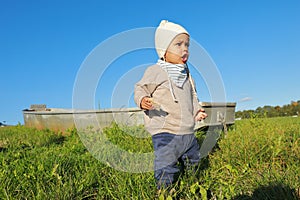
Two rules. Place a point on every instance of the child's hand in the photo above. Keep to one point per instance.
(147, 103)
(200, 115)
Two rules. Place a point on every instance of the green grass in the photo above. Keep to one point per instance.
(258, 159)
(257, 154)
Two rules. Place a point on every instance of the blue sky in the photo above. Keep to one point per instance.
(254, 44)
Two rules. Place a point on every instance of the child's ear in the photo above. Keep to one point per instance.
(164, 58)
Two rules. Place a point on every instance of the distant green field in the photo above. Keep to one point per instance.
(258, 159)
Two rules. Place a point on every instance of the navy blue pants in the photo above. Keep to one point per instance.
(173, 153)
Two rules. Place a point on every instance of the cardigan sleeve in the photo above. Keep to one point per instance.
(146, 86)
(196, 103)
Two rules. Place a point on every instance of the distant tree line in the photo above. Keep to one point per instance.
(292, 109)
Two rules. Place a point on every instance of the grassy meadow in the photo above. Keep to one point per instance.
(258, 158)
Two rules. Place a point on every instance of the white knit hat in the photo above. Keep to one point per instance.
(164, 34)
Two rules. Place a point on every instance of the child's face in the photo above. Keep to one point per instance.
(178, 50)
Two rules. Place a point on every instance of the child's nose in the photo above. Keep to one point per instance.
(185, 48)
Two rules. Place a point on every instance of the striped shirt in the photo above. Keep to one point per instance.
(176, 72)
